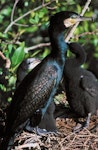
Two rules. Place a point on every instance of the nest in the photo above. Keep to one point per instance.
(65, 139)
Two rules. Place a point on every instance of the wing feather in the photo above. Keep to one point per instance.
(38, 93)
(89, 85)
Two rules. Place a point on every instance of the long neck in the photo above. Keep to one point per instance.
(59, 46)
(80, 55)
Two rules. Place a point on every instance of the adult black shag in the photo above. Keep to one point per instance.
(81, 85)
(39, 86)
(44, 126)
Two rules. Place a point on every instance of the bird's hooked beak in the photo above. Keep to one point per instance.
(71, 21)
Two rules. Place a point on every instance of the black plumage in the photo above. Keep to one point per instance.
(81, 85)
(47, 123)
(44, 126)
(39, 86)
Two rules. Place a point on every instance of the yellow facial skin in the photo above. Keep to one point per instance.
(69, 22)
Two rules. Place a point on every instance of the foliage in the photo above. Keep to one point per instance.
(26, 25)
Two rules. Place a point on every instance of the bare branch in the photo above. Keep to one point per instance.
(13, 10)
(23, 25)
(8, 63)
(95, 32)
(37, 46)
(70, 34)
(26, 14)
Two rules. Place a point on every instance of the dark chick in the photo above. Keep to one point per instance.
(39, 86)
(25, 67)
(47, 123)
(81, 85)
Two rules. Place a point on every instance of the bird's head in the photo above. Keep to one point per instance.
(65, 19)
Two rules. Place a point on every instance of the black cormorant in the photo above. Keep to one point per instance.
(44, 126)
(81, 85)
(39, 86)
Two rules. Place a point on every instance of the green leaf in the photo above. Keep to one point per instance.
(12, 80)
(2, 35)
(10, 46)
(45, 53)
(18, 55)
(35, 19)
(95, 41)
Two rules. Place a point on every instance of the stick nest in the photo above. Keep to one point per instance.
(65, 139)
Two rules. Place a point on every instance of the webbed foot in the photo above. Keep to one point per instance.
(43, 132)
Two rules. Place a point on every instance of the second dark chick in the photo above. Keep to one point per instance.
(81, 85)
(47, 124)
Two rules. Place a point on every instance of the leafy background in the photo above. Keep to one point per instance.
(17, 40)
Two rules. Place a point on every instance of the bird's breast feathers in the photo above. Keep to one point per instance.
(41, 88)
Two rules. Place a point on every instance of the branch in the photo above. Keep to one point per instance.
(95, 32)
(8, 63)
(26, 14)
(13, 10)
(37, 46)
(70, 34)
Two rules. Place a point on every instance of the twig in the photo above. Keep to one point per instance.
(87, 33)
(72, 141)
(8, 63)
(13, 10)
(28, 145)
(22, 25)
(37, 46)
(70, 34)
(37, 8)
